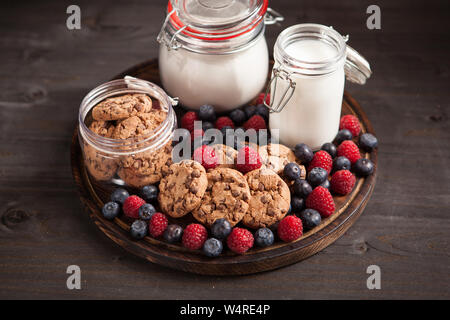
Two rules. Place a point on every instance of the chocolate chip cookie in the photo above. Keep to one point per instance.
(146, 167)
(139, 125)
(102, 128)
(226, 155)
(227, 196)
(101, 166)
(122, 107)
(276, 156)
(182, 189)
(270, 199)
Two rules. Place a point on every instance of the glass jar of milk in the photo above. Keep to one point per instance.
(214, 51)
(307, 85)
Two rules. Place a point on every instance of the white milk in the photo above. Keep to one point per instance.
(226, 81)
(312, 114)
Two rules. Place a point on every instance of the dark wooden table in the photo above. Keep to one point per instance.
(46, 70)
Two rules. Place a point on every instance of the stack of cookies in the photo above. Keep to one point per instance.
(127, 117)
(260, 198)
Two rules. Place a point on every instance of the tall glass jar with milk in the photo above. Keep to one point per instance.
(307, 85)
(214, 51)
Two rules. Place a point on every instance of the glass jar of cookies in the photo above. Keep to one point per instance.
(125, 132)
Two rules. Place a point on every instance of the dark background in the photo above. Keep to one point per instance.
(46, 70)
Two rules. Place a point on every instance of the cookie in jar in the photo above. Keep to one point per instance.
(125, 132)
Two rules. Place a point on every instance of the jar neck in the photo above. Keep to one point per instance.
(316, 32)
(176, 40)
(154, 140)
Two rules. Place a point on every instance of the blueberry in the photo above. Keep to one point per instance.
(111, 210)
(343, 135)
(238, 116)
(317, 176)
(206, 125)
(150, 193)
(274, 227)
(325, 184)
(363, 167)
(119, 195)
(341, 163)
(292, 171)
(207, 113)
(173, 233)
(263, 111)
(264, 237)
(368, 142)
(310, 218)
(330, 148)
(250, 111)
(297, 204)
(139, 229)
(146, 211)
(221, 228)
(302, 188)
(303, 153)
(212, 247)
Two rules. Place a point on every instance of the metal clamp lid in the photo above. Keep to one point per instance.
(171, 39)
(132, 83)
(272, 17)
(279, 73)
(357, 68)
(172, 44)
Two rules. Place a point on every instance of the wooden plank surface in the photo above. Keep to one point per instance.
(46, 70)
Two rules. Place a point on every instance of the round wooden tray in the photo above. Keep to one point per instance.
(348, 209)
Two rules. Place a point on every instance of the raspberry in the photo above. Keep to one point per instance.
(198, 133)
(320, 199)
(342, 182)
(187, 121)
(351, 123)
(157, 225)
(290, 228)
(255, 122)
(194, 236)
(349, 150)
(224, 121)
(131, 206)
(247, 160)
(260, 98)
(240, 240)
(206, 156)
(323, 160)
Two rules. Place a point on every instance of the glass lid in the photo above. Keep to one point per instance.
(213, 14)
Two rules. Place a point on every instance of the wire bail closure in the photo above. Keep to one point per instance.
(279, 73)
(272, 17)
(173, 44)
